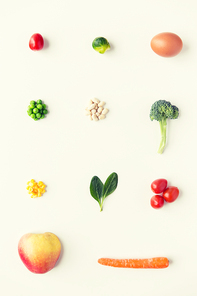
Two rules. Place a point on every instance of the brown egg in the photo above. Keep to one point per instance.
(166, 44)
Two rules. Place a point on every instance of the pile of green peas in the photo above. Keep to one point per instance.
(37, 110)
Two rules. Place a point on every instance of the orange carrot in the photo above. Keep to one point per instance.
(157, 262)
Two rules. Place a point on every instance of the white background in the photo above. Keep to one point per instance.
(66, 149)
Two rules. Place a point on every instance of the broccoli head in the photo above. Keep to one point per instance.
(162, 110)
(101, 44)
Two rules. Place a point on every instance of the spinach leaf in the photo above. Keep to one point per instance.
(99, 191)
(96, 188)
(110, 185)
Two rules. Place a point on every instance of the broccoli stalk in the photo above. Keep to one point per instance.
(162, 110)
(163, 124)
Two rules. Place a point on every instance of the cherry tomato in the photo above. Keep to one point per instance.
(159, 185)
(170, 194)
(157, 201)
(36, 42)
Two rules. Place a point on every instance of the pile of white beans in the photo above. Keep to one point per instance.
(95, 110)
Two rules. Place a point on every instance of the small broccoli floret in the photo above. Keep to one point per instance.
(100, 44)
(162, 110)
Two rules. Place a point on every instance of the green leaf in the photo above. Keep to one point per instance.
(110, 185)
(96, 188)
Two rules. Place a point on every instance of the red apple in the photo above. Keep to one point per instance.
(39, 252)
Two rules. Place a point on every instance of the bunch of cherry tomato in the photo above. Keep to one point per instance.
(169, 194)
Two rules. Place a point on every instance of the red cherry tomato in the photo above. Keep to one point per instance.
(157, 201)
(170, 194)
(159, 185)
(36, 42)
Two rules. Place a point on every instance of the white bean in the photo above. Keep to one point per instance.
(101, 104)
(95, 118)
(91, 107)
(91, 102)
(98, 114)
(105, 110)
(93, 111)
(90, 117)
(100, 109)
(102, 116)
(96, 100)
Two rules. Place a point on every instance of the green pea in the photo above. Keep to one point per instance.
(42, 116)
(32, 102)
(39, 101)
(29, 112)
(33, 116)
(38, 115)
(44, 106)
(35, 110)
(45, 111)
(32, 106)
(39, 106)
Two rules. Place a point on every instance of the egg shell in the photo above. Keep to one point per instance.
(166, 44)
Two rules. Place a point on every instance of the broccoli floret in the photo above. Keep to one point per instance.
(100, 44)
(162, 110)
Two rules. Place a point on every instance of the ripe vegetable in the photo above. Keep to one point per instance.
(39, 106)
(31, 106)
(166, 44)
(157, 201)
(37, 110)
(171, 193)
(99, 191)
(45, 111)
(162, 110)
(159, 185)
(35, 189)
(36, 42)
(95, 110)
(157, 262)
(100, 44)
(38, 115)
